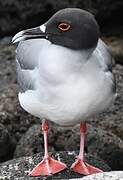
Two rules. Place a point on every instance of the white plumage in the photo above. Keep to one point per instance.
(69, 85)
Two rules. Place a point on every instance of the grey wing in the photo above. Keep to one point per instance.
(108, 61)
(25, 63)
(105, 51)
(24, 78)
(28, 54)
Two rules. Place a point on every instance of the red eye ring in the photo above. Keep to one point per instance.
(64, 26)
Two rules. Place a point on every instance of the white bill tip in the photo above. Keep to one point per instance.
(43, 28)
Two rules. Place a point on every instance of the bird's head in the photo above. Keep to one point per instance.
(71, 27)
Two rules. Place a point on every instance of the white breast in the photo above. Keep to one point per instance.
(68, 88)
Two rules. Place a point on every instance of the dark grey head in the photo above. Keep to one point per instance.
(71, 27)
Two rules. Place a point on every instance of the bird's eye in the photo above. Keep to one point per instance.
(64, 26)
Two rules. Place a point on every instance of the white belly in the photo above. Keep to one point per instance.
(70, 103)
(69, 88)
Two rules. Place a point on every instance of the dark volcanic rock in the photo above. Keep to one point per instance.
(30, 143)
(19, 168)
(12, 117)
(7, 64)
(107, 146)
(99, 142)
(59, 139)
(115, 43)
(15, 120)
(6, 143)
(17, 15)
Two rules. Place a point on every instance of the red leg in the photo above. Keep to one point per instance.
(80, 166)
(48, 165)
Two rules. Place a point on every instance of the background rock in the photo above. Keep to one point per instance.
(17, 15)
(115, 43)
(6, 144)
(106, 145)
(99, 142)
(14, 120)
(19, 168)
(59, 139)
(32, 142)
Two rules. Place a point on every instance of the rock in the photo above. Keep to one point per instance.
(99, 142)
(59, 139)
(113, 175)
(7, 64)
(106, 145)
(6, 143)
(18, 15)
(32, 142)
(115, 43)
(12, 117)
(15, 120)
(5, 41)
(19, 168)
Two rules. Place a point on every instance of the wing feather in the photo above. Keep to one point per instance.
(24, 78)
(108, 61)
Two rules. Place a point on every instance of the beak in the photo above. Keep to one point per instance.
(34, 33)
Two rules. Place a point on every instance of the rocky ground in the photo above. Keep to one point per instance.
(20, 133)
(20, 168)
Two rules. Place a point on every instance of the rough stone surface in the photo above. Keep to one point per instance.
(16, 15)
(106, 145)
(12, 117)
(5, 143)
(113, 175)
(7, 64)
(115, 43)
(32, 142)
(19, 168)
(99, 142)
(59, 139)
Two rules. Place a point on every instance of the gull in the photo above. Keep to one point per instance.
(64, 72)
